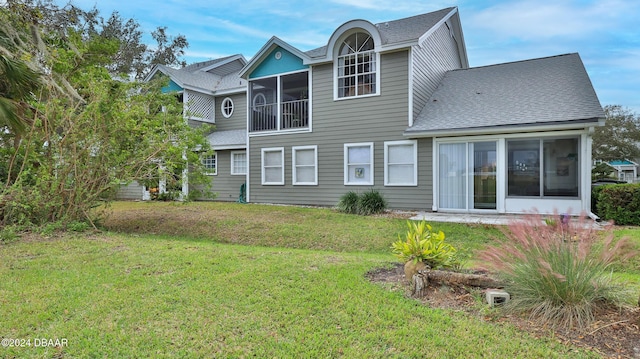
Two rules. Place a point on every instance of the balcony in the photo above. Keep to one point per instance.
(293, 115)
(279, 103)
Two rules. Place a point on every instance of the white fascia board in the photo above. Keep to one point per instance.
(229, 147)
(237, 90)
(435, 27)
(496, 130)
(337, 34)
(266, 49)
(196, 89)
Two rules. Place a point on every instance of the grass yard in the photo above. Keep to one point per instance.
(179, 285)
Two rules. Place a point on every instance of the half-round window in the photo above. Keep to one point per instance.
(357, 66)
(227, 107)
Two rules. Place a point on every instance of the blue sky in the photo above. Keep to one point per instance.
(604, 32)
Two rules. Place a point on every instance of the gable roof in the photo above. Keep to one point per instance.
(546, 91)
(208, 76)
(397, 33)
(273, 42)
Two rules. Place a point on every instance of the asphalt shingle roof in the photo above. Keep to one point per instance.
(229, 139)
(399, 31)
(532, 92)
(193, 76)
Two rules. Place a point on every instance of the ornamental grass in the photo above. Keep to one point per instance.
(558, 271)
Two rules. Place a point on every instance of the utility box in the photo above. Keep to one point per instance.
(496, 297)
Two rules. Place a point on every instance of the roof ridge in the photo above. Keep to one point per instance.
(516, 61)
(447, 9)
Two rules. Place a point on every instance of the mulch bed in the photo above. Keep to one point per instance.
(614, 333)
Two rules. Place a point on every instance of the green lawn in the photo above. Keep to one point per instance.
(189, 295)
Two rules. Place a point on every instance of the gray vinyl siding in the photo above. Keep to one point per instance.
(238, 120)
(435, 56)
(226, 185)
(336, 123)
(131, 192)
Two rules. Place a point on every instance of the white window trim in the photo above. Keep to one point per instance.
(346, 163)
(233, 173)
(335, 68)
(414, 180)
(294, 165)
(222, 107)
(215, 171)
(272, 149)
(255, 98)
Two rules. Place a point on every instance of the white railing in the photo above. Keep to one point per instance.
(294, 114)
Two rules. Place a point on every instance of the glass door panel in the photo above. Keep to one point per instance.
(483, 184)
(452, 175)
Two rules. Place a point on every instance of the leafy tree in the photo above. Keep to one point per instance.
(601, 170)
(88, 131)
(619, 139)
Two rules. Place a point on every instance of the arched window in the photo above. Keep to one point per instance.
(357, 66)
(227, 107)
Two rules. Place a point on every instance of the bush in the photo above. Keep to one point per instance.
(8, 234)
(349, 203)
(423, 244)
(371, 202)
(558, 273)
(620, 203)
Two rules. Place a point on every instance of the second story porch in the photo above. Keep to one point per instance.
(279, 103)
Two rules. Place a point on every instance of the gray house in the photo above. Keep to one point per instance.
(394, 106)
(212, 92)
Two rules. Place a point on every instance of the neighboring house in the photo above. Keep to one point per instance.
(212, 93)
(625, 170)
(393, 106)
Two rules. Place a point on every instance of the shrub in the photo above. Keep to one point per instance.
(620, 203)
(423, 244)
(371, 202)
(559, 273)
(8, 234)
(349, 203)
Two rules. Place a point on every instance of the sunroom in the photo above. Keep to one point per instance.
(513, 137)
(546, 171)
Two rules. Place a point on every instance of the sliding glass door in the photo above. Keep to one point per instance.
(467, 175)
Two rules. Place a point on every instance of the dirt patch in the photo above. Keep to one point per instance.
(614, 334)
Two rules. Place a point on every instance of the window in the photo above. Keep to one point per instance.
(358, 164)
(273, 166)
(238, 162)
(227, 107)
(305, 165)
(543, 167)
(356, 66)
(400, 163)
(209, 162)
(259, 101)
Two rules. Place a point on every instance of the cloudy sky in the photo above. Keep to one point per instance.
(605, 33)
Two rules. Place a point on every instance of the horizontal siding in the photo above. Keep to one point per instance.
(238, 120)
(432, 59)
(225, 185)
(130, 192)
(374, 119)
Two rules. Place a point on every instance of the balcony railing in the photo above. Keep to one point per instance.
(263, 118)
(294, 114)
